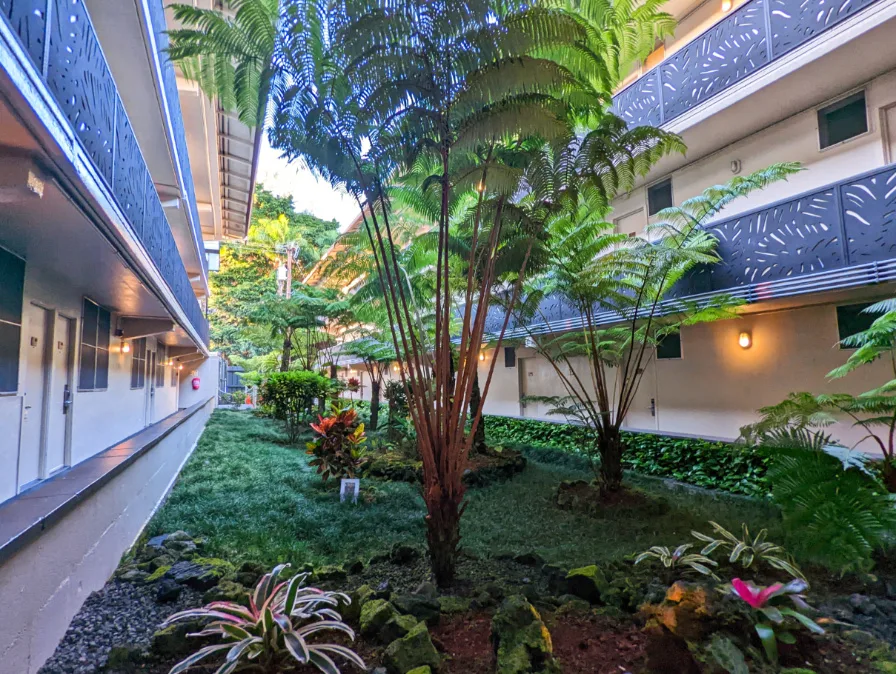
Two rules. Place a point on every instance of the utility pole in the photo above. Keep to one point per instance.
(289, 249)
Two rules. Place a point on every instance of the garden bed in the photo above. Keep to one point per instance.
(483, 468)
(249, 501)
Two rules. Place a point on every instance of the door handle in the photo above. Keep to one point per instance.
(66, 399)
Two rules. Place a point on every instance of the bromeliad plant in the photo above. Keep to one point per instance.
(773, 621)
(338, 449)
(272, 631)
(673, 559)
(748, 550)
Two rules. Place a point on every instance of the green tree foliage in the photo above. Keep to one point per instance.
(231, 55)
(292, 396)
(620, 291)
(247, 280)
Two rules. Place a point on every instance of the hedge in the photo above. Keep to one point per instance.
(704, 463)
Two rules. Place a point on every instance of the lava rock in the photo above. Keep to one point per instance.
(529, 559)
(374, 616)
(352, 612)
(167, 590)
(134, 576)
(200, 574)
(420, 607)
(587, 582)
(403, 554)
(451, 604)
(521, 639)
(226, 590)
(397, 627)
(413, 650)
(325, 574)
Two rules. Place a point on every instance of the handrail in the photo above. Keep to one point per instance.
(757, 33)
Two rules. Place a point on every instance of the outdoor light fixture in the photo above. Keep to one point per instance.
(481, 356)
(745, 339)
(726, 5)
(125, 346)
(395, 368)
(180, 367)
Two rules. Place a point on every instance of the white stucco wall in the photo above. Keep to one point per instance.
(44, 584)
(98, 419)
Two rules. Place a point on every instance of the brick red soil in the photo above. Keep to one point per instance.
(582, 644)
(593, 645)
(466, 640)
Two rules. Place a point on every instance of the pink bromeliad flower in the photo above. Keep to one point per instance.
(753, 595)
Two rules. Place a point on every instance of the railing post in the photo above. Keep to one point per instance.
(45, 64)
(841, 225)
(767, 15)
(659, 92)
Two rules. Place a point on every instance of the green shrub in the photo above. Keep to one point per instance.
(704, 463)
(292, 397)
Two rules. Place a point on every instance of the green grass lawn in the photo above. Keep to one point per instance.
(255, 499)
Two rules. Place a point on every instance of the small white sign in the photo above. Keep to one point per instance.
(348, 490)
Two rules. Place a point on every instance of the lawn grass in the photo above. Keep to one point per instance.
(256, 499)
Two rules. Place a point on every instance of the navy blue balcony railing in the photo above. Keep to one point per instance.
(759, 32)
(59, 38)
(834, 237)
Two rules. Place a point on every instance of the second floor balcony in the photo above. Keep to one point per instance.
(756, 35)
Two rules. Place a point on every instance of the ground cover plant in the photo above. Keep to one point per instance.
(735, 468)
(226, 495)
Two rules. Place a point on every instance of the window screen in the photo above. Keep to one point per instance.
(842, 120)
(161, 358)
(509, 356)
(138, 363)
(669, 346)
(12, 283)
(851, 320)
(96, 323)
(659, 196)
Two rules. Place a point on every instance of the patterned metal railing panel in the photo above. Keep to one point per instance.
(169, 82)
(29, 20)
(77, 74)
(846, 224)
(716, 60)
(759, 32)
(869, 217)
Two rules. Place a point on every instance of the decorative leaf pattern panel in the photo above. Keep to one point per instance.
(80, 79)
(786, 240)
(639, 104)
(793, 22)
(28, 19)
(727, 53)
(869, 212)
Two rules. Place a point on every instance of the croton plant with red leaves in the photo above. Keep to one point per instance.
(338, 449)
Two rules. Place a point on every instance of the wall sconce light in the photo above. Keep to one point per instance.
(180, 367)
(745, 339)
(125, 346)
(481, 356)
(726, 5)
(395, 368)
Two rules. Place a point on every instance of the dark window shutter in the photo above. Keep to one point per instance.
(12, 285)
(669, 347)
(509, 356)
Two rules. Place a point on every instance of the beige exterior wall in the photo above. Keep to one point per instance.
(716, 387)
(43, 585)
(792, 139)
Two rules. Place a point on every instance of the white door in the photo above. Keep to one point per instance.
(59, 403)
(37, 335)
(150, 386)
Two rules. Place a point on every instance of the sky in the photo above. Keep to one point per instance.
(308, 192)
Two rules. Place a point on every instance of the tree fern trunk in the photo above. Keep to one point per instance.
(374, 404)
(443, 536)
(610, 447)
(479, 446)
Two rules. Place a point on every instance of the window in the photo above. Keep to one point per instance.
(669, 347)
(509, 356)
(659, 196)
(161, 357)
(851, 320)
(174, 375)
(138, 364)
(95, 325)
(12, 284)
(840, 121)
